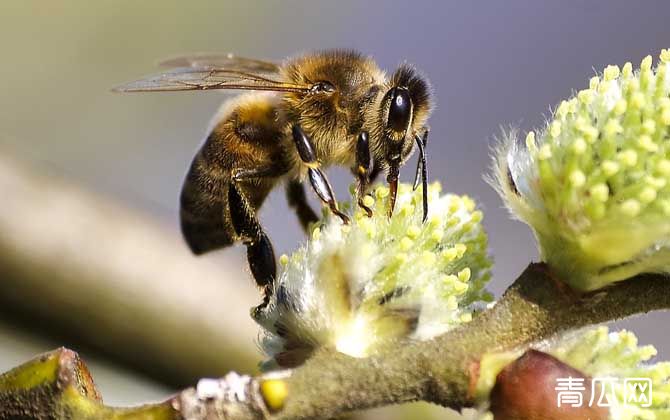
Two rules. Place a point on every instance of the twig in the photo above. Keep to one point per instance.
(442, 370)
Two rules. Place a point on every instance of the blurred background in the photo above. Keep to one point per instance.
(91, 179)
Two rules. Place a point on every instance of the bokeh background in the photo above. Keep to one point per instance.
(492, 64)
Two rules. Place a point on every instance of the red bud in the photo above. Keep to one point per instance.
(529, 388)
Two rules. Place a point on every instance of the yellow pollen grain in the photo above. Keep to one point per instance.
(464, 274)
(381, 192)
(611, 72)
(413, 232)
(665, 55)
(453, 221)
(627, 69)
(406, 243)
(663, 167)
(590, 133)
(316, 234)
(368, 201)
(460, 287)
(561, 112)
(450, 254)
(609, 167)
(600, 192)
(577, 178)
(579, 146)
(657, 183)
(467, 227)
(620, 107)
(283, 260)
(585, 96)
(612, 127)
(646, 63)
(460, 249)
(477, 216)
(630, 207)
(555, 129)
(649, 126)
(647, 195)
(437, 235)
(469, 203)
(434, 221)
(645, 142)
(628, 157)
(637, 100)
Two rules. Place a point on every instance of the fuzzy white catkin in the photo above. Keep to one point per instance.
(359, 287)
(593, 184)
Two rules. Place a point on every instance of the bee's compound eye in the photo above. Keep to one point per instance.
(321, 87)
(400, 109)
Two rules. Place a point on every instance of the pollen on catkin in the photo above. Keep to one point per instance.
(612, 359)
(593, 183)
(380, 280)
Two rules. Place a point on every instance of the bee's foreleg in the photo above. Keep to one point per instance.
(317, 178)
(295, 194)
(362, 169)
(260, 254)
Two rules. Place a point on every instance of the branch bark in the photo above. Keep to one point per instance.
(442, 370)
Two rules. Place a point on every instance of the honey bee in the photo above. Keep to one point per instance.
(333, 107)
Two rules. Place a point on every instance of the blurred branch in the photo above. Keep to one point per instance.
(98, 274)
(442, 370)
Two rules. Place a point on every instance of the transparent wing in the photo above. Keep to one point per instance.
(205, 78)
(222, 61)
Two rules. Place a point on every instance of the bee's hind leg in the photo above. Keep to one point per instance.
(260, 253)
(317, 178)
(297, 200)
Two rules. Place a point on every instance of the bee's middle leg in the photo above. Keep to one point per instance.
(317, 178)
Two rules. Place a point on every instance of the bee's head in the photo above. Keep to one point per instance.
(402, 113)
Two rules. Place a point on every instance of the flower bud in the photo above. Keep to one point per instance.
(527, 389)
(593, 183)
(358, 287)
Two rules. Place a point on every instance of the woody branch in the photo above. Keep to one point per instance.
(442, 370)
